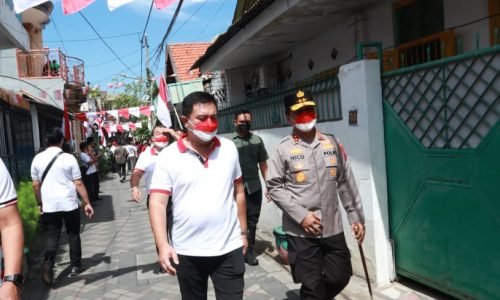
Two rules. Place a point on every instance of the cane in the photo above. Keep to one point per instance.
(363, 260)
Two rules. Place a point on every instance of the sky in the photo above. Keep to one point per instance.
(198, 21)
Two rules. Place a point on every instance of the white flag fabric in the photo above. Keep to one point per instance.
(134, 111)
(126, 127)
(162, 111)
(22, 5)
(114, 113)
(114, 4)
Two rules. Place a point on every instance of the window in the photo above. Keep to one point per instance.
(415, 19)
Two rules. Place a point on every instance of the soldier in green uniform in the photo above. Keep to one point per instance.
(253, 156)
(308, 174)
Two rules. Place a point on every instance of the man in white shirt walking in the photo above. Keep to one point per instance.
(203, 175)
(91, 176)
(56, 180)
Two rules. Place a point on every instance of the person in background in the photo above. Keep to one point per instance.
(56, 180)
(11, 233)
(88, 168)
(121, 155)
(252, 156)
(309, 177)
(132, 156)
(93, 152)
(202, 174)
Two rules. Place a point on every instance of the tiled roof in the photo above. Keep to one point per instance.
(183, 56)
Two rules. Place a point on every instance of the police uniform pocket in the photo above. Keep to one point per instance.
(299, 172)
(331, 165)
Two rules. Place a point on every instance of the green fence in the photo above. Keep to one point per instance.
(451, 103)
(267, 107)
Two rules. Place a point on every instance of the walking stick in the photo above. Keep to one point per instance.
(363, 260)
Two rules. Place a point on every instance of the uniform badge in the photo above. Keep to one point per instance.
(328, 146)
(333, 172)
(333, 160)
(296, 151)
(300, 177)
(300, 94)
(298, 166)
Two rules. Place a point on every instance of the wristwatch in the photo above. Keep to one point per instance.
(17, 279)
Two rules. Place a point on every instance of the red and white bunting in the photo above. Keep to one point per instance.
(134, 111)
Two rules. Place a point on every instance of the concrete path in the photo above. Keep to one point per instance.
(119, 252)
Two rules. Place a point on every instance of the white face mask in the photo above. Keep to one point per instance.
(161, 145)
(306, 127)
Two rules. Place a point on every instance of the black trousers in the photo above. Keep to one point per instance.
(254, 204)
(323, 265)
(226, 272)
(121, 170)
(53, 225)
(91, 183)
(131, 164)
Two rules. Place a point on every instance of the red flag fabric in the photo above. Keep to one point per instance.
(73, 6)
(162, 111)
(145, 110)
(82, 117)
(160, 4)
(124, 113)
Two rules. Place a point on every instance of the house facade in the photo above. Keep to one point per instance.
(410, 87)
(37, 84)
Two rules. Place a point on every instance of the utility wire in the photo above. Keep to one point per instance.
(96, 39)
(160, 47)
(111, 60)
(59, 35)
(188, 19)
(144, 31)
(105, 43)
(211, 19)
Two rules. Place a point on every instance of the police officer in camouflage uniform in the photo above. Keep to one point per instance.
(307, 173)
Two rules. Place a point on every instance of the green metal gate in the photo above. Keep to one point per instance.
(442, 137)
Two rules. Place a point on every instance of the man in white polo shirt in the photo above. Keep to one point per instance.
(202, 174)
(11, 233)
(55, 191)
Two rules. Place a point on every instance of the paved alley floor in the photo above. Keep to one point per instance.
(119, 253)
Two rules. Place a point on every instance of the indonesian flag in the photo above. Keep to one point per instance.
(73, 6)
(162, 111)
(66, 125)
(114, 4)
(160, 4)
(22, 5)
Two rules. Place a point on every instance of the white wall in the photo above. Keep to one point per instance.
(361, 89)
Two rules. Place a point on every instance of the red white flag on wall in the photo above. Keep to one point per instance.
(66, 124)
(162, 111)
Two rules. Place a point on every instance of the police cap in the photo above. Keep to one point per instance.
(298, 100)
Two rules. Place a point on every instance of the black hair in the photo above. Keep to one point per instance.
(83, 145)
(54, 136)
(195, 98)
(242, 111)
(90, 140)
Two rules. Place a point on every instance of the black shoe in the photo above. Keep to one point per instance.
(75, 271)
(251, 260)
(48, 272)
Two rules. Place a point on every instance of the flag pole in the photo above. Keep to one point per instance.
(173, 106)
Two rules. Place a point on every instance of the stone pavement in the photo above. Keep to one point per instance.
(119, 252)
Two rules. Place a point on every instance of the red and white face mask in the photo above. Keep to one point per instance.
(305, 121)
(205, 130)
(160, 141)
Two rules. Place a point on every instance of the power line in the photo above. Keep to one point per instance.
(116, 73)
(192, 15)
(211, 19)
(96, 39)
(111, 60)
(144, 31)
(160, 47)
(59, 35)
(110, 49)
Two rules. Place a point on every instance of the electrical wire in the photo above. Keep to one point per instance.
(211, 19)
(111, 60)
(144, 31)
(59, 35)
(96, 39)
(105, 43)
(161, 46)
(188, 19)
